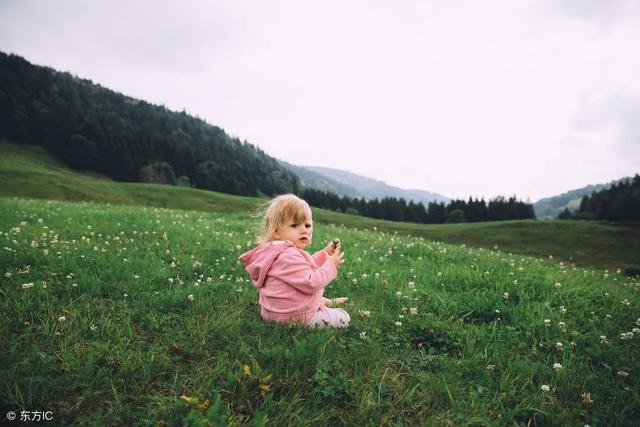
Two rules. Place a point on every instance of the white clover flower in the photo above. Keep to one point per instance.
(93, 327)
(363, 335)
(603, 339)
(27, 285)
(558, 285)
(413, 311)
(547, 322)
(623, 374)
(190, 297)
(505, 295)
(557, 366)
(559, 345)
(399, 294)
(626, 302)
(354, 281)
(490, 368)
(562, 309)
(544, 387)
(586, 399)
(561, 324)
(126, 295)
(61, 319)
(364, 313)
(397, 323)
(412, 285)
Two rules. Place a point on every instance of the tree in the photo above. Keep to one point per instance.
(456, 216)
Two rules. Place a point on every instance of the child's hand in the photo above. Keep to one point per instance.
(334, 301)
(337, 258)
(332, 246)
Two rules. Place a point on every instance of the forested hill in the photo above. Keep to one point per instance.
(94, 128)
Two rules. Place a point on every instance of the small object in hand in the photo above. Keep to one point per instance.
(335, 243)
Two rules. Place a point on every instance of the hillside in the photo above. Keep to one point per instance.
(93, 128)
(30, 172)
(550, 207)
(317, 181)
(372, 189)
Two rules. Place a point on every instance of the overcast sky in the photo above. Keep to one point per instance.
(462, 98)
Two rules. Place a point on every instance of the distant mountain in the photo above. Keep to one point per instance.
(353, 185)
(311, 179)
(550, 207)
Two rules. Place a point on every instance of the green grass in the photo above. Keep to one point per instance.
(28, 171)
(474, 351)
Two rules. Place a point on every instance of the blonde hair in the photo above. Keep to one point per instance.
(280, 209)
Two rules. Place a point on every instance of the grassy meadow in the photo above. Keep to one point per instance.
(30, 172)
(121, 315)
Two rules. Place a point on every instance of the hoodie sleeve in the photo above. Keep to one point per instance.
(293, 268)
(320, 257)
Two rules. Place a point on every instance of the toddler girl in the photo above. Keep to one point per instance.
(291, 282)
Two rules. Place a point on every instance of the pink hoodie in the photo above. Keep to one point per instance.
(291, 283)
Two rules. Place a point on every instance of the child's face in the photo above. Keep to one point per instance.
(299, 233)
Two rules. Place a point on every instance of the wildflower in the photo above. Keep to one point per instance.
(558, 285)
(626, 302)
(603, 339)
(413, 311)
(559, 345)
(491, 368)
(364, 313)
(93, 327)
(562, 309)
(544, 387)
(399, 294)
(547, 322)
(125, 295)
(27, 285)
(61, 319)
(626, 336)
(505, 295)
(557, 366)
(363, 335)
(561, 324)
(623, 374)
(190, 297)
(397, 323)
(586, 399)
(354, 281)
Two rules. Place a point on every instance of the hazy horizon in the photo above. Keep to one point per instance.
(529, 98)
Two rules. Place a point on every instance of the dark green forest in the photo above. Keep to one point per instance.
(93, 128)
(395, 209)
(620, 203)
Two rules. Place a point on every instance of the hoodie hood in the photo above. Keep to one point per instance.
(258, 261)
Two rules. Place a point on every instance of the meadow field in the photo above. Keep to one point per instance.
(139, 315)
(30, 172)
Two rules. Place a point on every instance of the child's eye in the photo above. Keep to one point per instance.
(294, 225)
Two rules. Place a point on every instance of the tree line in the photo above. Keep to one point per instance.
(621, 203)
(397, 209)
(93, 128)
